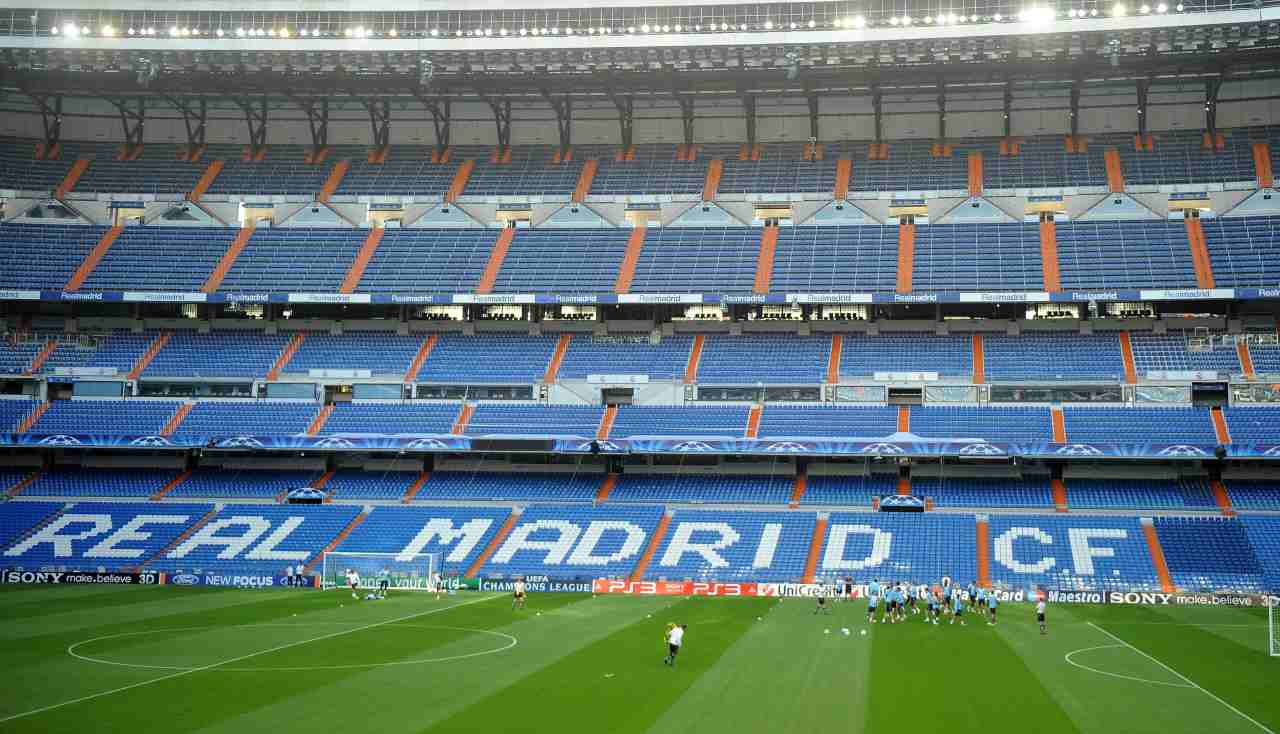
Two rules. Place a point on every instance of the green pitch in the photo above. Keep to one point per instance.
(172, 660)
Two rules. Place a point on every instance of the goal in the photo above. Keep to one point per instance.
(1273, 625)
(409, 573)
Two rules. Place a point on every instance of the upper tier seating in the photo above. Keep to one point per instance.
(856, 491)
(517, 487)
(728, 421)
(156, 171)
(1266, 357)
(1208, 553)
(773, 359)
(1053, 357)
(20, 170)
(532, 419)
(392, 418)
(558, 260)
(977, 257)
(282, 171)
(851, 421)
(217, 546)
(382, 353)
(310, 260)
(1175, 352)
(118, 349)
(225, 354)
(1053, 552)
(1245, 251)
(991, 424)
(839, 259)
(247, 484)
(654, 171)
(1252, 425)
(1139, 494)
(630, 355)
(780, 170)
(530, 172)
(1248, 494)
(531, 548)
(984, 491)
(126, 417)
(354, 484)
(1140, 425)
(407, 171)
(13, 411)
(950, 356)
(724, 489)
(73, 482)
(87, 527)
(1136, 254)
(734, 546)
(491, 359)
(257, 417)
(428, 261)
(698, 260)
(161, 258)
(43, 255)
(395, 529)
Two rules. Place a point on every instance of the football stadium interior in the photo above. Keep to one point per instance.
(644, 303)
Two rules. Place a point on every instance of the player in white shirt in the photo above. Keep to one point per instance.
(675, 638)
(353, 581)
(437, 583)
(517, 598)
(1040, 616)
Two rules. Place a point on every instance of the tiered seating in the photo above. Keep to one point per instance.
(1043, 162)
(532, 419)
(1248, 494)
(118, 349)
(530, 172)
(856, 491)
(18, 518)
(518, 487)
(991, 424)
(18, 352)
(1266, 357)
(428, 261)
(698, 260)
(208, 550)
(984, 491)
(655, 170)
(12, 411)
(1178, 157)
(161, 258)
(241, 484)
(124, 417)
(391, 418)
(728, 421)
(98, 522)
(631, 355)
(780, 170)
(770, 359)
(840, 259)
(977, 257)
(408, 171)
(259, 417)
(381, 352)
(393, 530)
(910, 167)
(224, 354)
(68, 482)
(615, 554)
(471, 360)
(920, 547)
(1135, 254)
(1253, 425)
(1053, 552)
(1053, 357)
(557, 260)
(1206, 553)
(1139, 494)
(283, 171)
(354, 484)
(1139, 425)
(1264, 535)
(156, 171)
(698, 488)
(22, 171)
(949, 356)
(795, 421)
(1245, 251)
(43, 255)
(305, 259)
(1173, 352)
(730, 543)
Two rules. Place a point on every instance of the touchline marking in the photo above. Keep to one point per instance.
(210, 666)
(1192, 683)
(1082, 666)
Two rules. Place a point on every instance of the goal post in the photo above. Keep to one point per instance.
(408, 573)
(1273, 625)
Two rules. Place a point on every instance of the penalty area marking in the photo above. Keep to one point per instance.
(229, 661)
(1082, 666)
(1189, 682)
(510, 643)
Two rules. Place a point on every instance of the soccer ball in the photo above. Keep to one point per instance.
(863, 633)
(826, 632)
(845, 630)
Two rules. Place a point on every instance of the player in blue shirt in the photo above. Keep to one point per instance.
(957, 609)
(980, 598)
(913, 592)
(932, 602)
(991, 606)
(946, 598)
(873, 600)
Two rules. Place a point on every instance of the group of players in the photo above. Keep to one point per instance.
(894, 600)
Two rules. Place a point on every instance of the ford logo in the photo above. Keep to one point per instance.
(185, 579)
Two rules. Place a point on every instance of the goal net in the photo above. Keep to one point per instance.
(411, 573)
(1273, 625)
